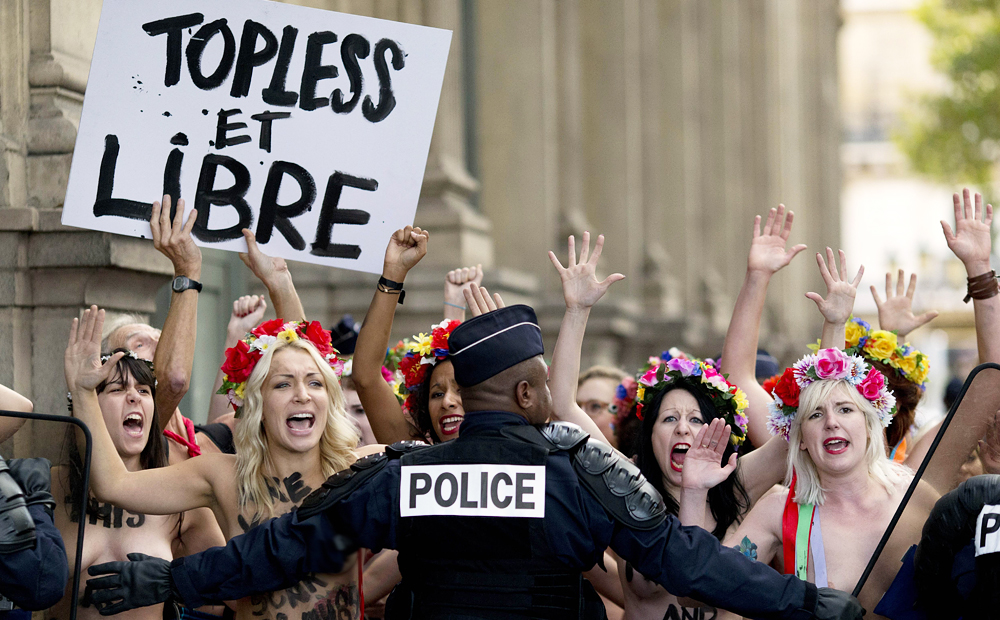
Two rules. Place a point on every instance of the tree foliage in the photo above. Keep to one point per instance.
(955, 136)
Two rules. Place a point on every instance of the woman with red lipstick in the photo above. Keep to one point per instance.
(433, 406)
(833, 408)
(292, 434)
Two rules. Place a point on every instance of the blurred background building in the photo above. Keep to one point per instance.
(664, 124)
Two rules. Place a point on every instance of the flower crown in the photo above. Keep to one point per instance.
(883, 346)
(673, 365)
(415, 357)
(832, 365)
(243, 358)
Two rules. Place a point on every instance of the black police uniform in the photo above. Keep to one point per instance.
(460, 567)
(498, 523)
(33, 566)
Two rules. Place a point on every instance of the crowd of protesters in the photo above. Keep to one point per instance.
(801, 469)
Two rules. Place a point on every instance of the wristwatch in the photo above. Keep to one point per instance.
(183, 283)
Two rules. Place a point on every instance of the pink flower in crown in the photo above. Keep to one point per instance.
(872, 385)
(832, 364)
(648, 378)
(710, 371)
(683, 366)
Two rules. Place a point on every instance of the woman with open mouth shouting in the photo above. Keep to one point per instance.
(292, 433)
(684, 408)
(126, 408)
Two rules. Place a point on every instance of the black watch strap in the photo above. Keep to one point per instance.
(184, 283)
(385, 285)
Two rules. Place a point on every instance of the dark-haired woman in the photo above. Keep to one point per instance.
(126, 399)
(433, 404)
(673, 440)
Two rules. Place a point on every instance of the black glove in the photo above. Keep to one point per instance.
(140, 582)
(35, 477)
(836, 605)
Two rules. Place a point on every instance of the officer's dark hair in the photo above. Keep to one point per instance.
(154, 454)
(727, 500)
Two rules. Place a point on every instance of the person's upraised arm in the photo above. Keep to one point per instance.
(972, 244)
(175, 352)
(274, 274)
(838, 305)
(406, 247)
(739, 353)
(581, 290)
(12, 401)
(162, 490)
(248, 311)
(895, 314)
(456, 281)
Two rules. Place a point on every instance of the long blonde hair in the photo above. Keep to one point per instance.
(253, 457)
(808, 489)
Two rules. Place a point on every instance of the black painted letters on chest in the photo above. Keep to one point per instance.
(108, 515)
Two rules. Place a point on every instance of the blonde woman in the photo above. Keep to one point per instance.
(292, 434)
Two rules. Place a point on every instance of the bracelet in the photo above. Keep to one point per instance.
(983, 286)
(462, 308)
(386, 285)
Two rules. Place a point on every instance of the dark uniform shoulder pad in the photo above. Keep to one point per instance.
(619, 486)
(17, 528)
(400, 448)
(341, 484)
(554, 437)
(564, 435)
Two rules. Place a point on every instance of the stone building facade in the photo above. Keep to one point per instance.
(664, 124)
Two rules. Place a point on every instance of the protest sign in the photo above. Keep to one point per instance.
(311, 128)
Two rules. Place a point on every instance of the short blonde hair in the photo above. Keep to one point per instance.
(253, 459)
(808, 487)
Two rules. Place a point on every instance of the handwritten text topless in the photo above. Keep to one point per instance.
(312, 127)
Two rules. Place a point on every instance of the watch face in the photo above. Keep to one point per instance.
(180, 283)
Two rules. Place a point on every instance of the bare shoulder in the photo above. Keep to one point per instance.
(773, 501)
(375, 448)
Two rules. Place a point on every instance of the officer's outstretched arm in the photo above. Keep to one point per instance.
(689, 561)
(350, 510)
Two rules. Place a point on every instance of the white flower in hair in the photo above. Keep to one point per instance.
(263, 342)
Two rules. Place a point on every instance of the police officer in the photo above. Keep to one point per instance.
(33, 567)
(496, 524)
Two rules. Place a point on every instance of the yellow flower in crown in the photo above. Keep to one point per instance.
(881, 344)
(741, 400)
(907, 364)
(240, 389)
(854, 333)
(288, 335)
(639, 392)
(421, 344)
(920, 368)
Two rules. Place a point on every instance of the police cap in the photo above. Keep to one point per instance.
(486, 345)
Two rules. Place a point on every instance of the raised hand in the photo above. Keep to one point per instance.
(173, 239)
(581, 288)
(895, 314)
(767, 249)
(989, 447)
(83, 353)
(248, 311)
(970, 240)
(836, 308)
(272, 271)
(479, 301)
(457, 280)
(406, 247)
(703, 468)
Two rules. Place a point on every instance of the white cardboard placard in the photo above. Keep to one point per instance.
(344, 160)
